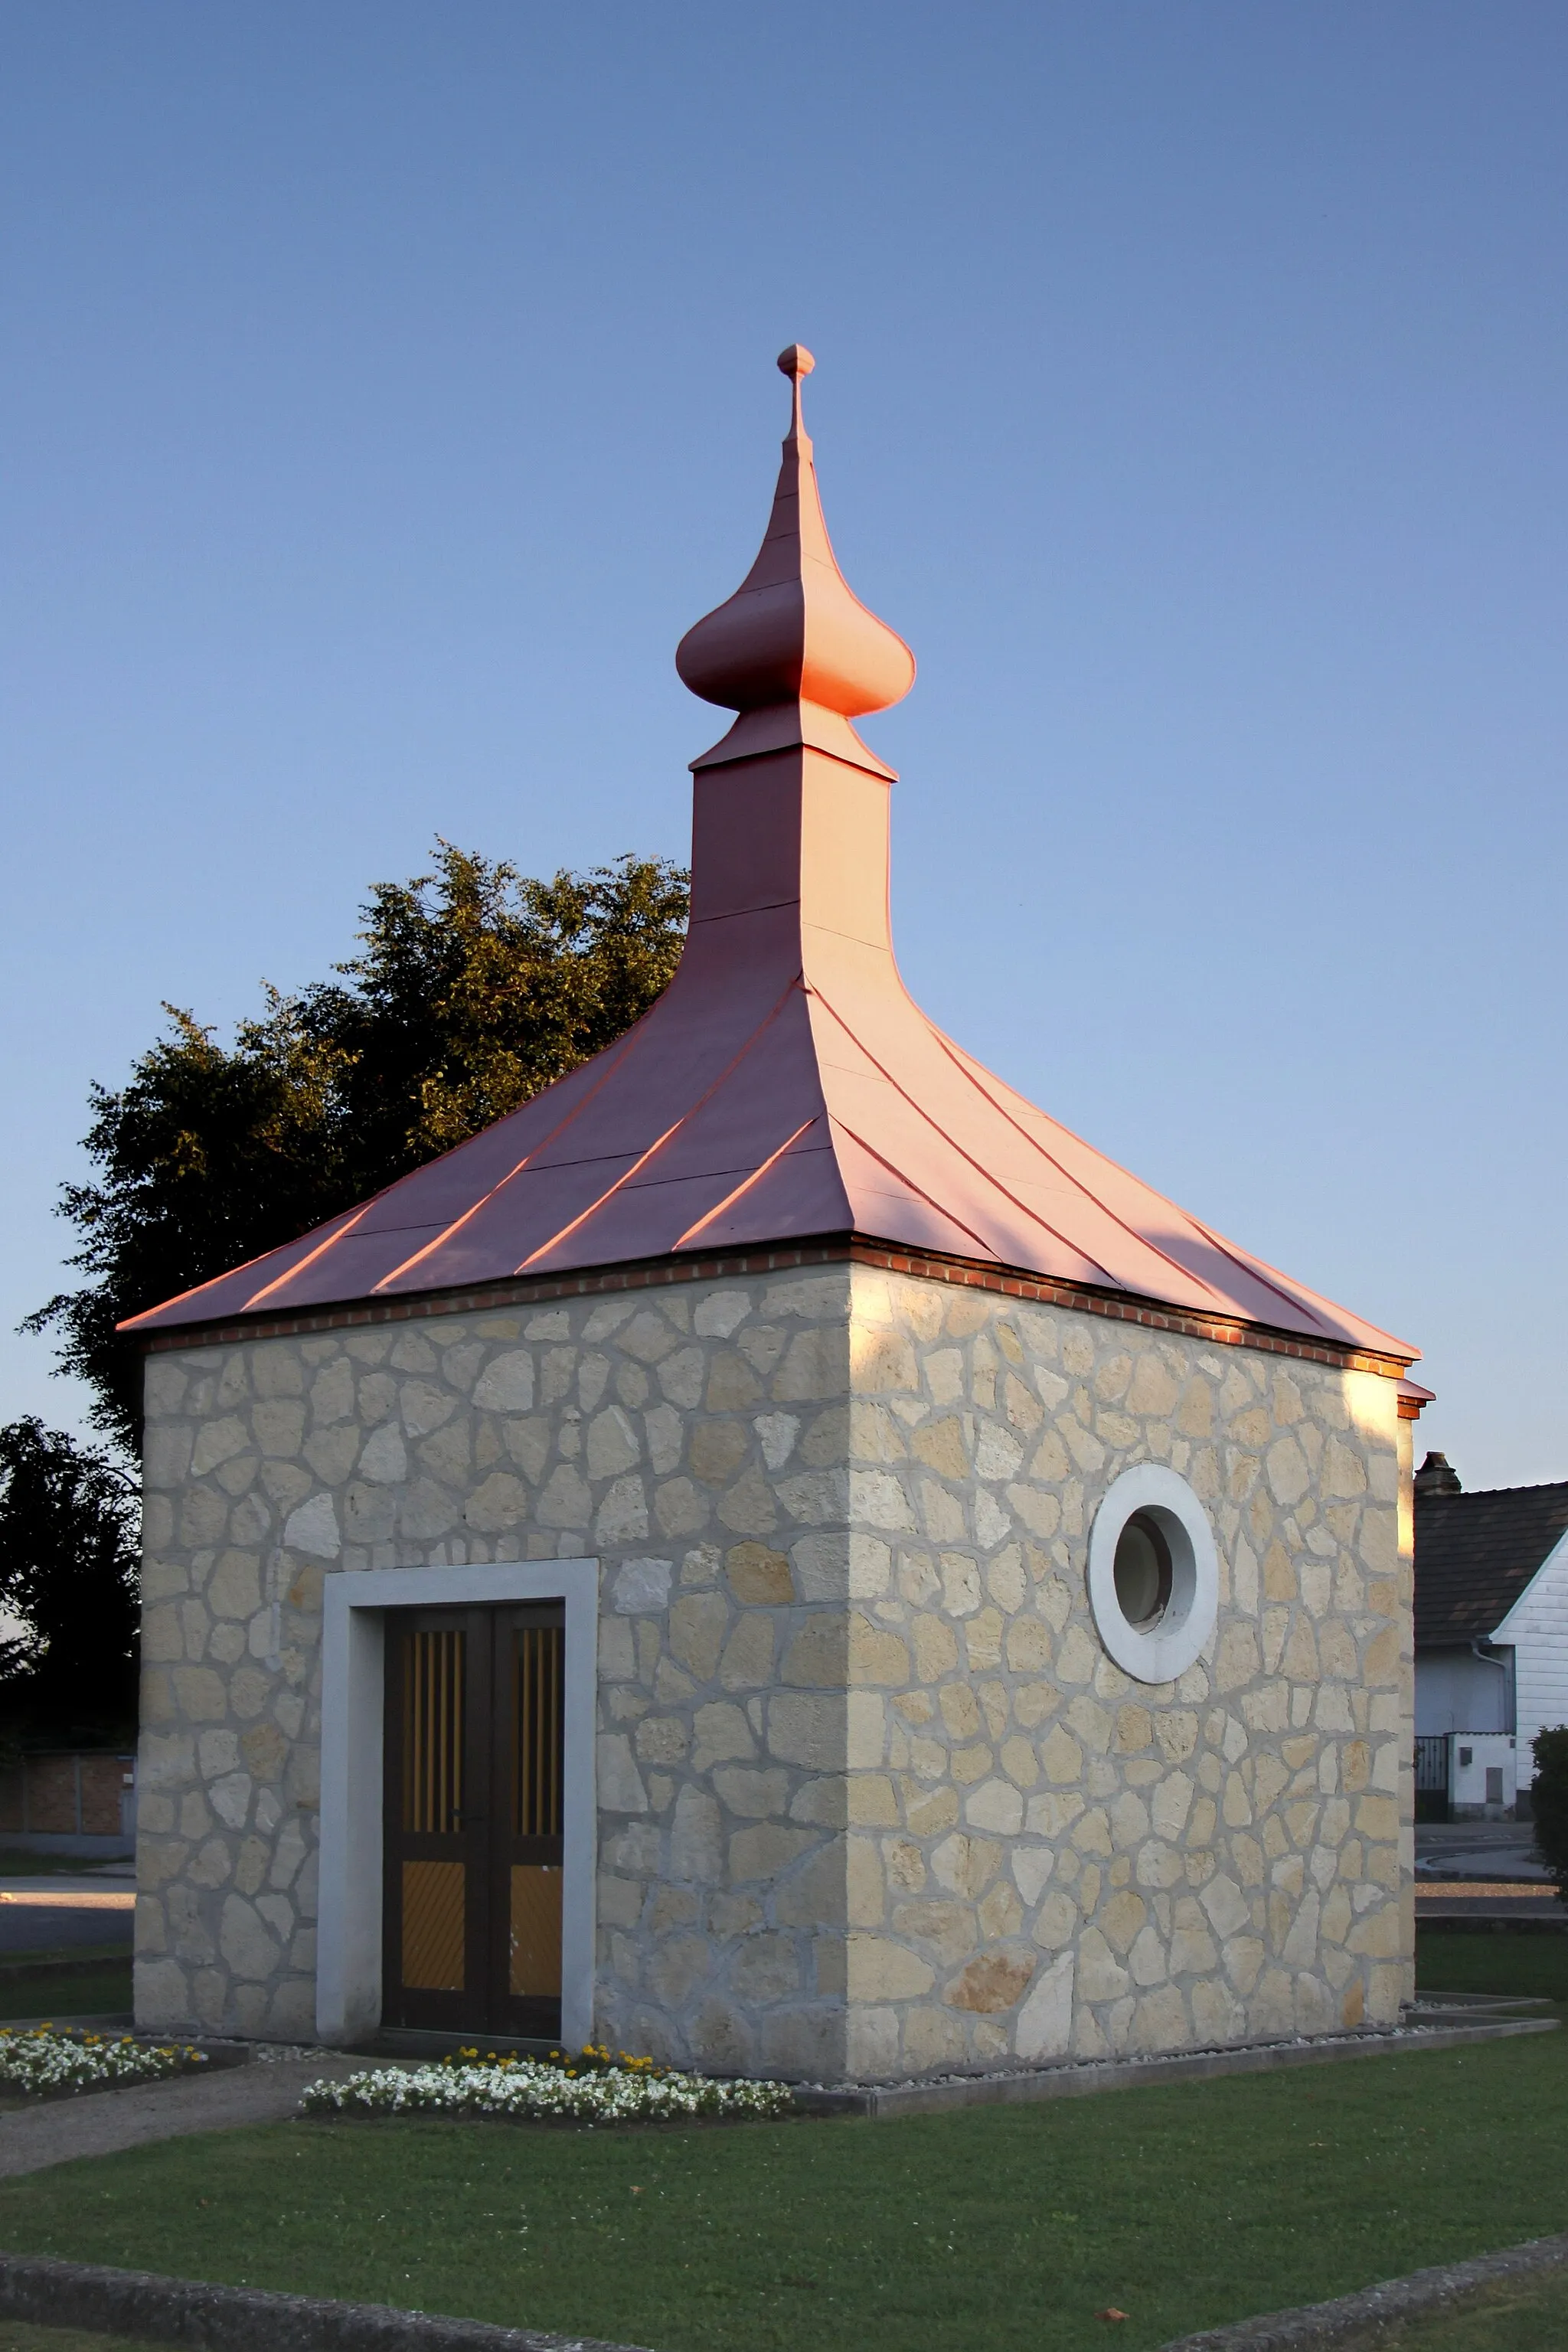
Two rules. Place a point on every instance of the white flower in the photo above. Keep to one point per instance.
(39, 2059)
(535, 2087)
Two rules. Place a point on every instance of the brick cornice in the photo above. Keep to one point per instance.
(833, 1249)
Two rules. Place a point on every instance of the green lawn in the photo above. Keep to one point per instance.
(1527, 2315)
(17, 2336)
(990, 2230)
(1532, 1965)
(23, 1861)
(73, 1992)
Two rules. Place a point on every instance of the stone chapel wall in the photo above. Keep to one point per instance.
(872, 1797)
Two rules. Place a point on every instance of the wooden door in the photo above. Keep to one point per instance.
(474, 1789)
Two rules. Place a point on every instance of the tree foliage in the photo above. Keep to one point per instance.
(1549, 1803)
(68, 1524)
(475, 987)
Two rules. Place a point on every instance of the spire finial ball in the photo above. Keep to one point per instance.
(796, 361)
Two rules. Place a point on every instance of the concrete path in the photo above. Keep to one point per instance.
(100, 2123)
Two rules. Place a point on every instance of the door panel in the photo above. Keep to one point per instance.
(433, 1679)
(475, 1792)
(434, 1927)
(538, 1664)
(534, 1973)
(532, 1666)
(435, 1858)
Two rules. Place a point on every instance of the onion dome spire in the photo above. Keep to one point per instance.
(795, 631)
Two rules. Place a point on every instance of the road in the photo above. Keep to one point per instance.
(48, 1913)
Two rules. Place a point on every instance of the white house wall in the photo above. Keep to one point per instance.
(1537, 1627)
(1456, 1691)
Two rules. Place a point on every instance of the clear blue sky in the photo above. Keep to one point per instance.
(386, 386)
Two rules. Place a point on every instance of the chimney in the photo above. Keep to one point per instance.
(1436, 1478)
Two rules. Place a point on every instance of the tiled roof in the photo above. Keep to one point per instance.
(1476, 1553)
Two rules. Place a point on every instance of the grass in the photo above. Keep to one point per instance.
(1524, 2316)
(805, 2232)
(1536, 1966)
(23, 1861)
(989, 2231)
(20, 2336)
(85, 1992)
(26, 1956)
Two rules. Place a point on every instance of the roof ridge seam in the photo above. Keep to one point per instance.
(957, 1059)
(617, 1055)
(690, 1112)
(909, 1183)
(747, 1184)
(920, 1109)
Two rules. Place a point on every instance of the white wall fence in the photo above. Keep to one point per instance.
(1468, 1775)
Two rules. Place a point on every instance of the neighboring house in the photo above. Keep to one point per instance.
(776, 1553)
(1491, 1637)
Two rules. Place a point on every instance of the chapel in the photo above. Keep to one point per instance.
(776, 1554)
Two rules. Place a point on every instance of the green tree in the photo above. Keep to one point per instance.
(1549, 1803)
(475, 987)
(69, 1523)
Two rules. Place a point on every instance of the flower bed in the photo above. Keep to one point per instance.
(39, 2059)
(590, 2086)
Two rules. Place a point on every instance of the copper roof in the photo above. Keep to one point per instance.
(785, 1086)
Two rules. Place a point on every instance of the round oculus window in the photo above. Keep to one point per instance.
(1153, 1576)
(1141, 1571)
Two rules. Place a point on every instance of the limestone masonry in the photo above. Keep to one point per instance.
(872, 1799)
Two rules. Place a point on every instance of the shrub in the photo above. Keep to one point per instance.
(1549, 1803)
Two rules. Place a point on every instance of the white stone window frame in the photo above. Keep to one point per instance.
(355, 1604)
(1167, 1650)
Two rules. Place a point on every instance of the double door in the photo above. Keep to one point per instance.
(474, 1798)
